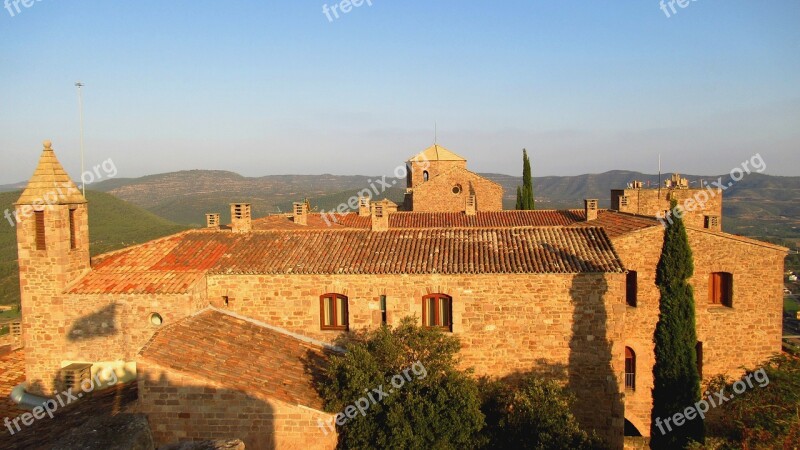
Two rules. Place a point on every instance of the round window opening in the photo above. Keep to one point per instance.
(156, 320)
(457, 189)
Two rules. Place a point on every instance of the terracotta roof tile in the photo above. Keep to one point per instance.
(256, 359)
(617, 224)
(486, 219)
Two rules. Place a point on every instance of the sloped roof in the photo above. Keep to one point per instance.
(436, 153)
(258, 359)
(617, 224)
(173, 265)
(50, 183)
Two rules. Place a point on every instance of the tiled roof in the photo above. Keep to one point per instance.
(173, 265)
(436, 153)
(257, 359)
(486, 219)
(617, 224)
(50, 183)
(315, 221)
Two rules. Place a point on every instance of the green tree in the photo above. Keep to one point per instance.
(437, 410)
(675, 376)
(764, 414)
(534, 414)
(525, 192)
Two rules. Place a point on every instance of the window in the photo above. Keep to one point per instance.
(457, 189)
(226, 301)
(156, 320)
(711, 222)
(333, 312)
(698, 349)
(437, 311)
(72, 240)
(383, 309)
(720, 289)
(425, 176)
(631, 288)
(630, 369)
(623, 201)
(39, 220)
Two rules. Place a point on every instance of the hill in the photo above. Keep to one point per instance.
(759, 205)
(113, 224)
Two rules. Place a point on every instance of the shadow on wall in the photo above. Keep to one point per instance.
(95, 325)
(179, 411)
(47, 431)
(592, 376)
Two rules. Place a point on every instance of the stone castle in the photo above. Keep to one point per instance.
(222, 326)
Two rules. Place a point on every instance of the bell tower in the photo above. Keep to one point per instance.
(53, 251)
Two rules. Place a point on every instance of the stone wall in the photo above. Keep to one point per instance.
(183, 407)
(96, 328)
(744, 335)
(437, 195)
(568, 326)
(649, 202)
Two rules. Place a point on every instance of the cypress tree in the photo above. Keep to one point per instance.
(675, 376)
(525, 192)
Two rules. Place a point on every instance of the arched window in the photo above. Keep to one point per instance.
(630, 369)
(425, 176)
(631, 288)
(720, 289)
(333, 312)
(437, 311)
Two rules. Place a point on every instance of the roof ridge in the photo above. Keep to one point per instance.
(267, 326)
(743, 239)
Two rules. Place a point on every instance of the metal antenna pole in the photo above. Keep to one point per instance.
(79, 85)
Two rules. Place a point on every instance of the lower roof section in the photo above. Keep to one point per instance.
(258, 359)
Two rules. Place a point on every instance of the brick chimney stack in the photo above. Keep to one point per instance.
(590, 207)
(380, 214)
(212, 220)
(472, 205)
(300, 213)
(363, 206)
(241, 220)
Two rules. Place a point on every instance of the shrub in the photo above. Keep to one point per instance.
(533, 414)
(438, 410)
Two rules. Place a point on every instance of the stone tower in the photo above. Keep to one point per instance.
(53, 250)
(437, 180)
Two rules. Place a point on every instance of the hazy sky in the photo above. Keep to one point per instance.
(274, 87)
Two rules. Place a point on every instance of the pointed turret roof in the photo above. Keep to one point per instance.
(50, 183)
(437, 153)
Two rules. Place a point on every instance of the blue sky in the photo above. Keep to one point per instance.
(273, 87)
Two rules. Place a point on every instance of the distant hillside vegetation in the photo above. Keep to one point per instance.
(113, 224)
(759, 205)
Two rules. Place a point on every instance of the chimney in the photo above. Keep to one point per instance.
(380, 214)
(590, 207)
(300, 213)
(212, 221)
(472, 205)
(363, 206)
(241, 221)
